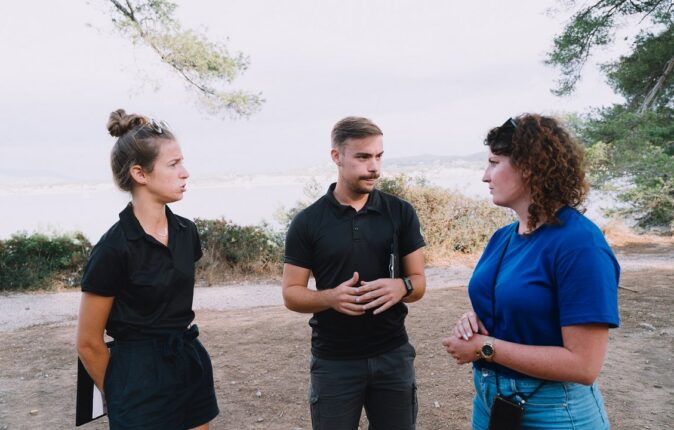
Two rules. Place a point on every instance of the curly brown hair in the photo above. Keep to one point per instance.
(551, 161)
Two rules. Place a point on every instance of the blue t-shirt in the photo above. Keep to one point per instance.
(560, 275)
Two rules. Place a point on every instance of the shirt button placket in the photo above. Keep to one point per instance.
(356, 231)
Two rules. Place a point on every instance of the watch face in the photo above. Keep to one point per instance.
(487, 350)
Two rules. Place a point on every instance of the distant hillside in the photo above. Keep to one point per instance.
(417, 162)
(430, 159)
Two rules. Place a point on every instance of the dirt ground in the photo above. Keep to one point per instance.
(261, 358)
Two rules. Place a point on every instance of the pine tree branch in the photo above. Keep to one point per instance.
(650, 98)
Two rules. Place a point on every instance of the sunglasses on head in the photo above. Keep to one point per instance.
(510, 124)
(500, 138)
(158, 127)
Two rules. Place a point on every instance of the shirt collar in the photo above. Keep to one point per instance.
(134, 230)
(374, 201)
(174, 222)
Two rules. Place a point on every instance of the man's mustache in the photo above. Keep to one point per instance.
(375, 176)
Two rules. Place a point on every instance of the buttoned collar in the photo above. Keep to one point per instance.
(374, 201)
(134, 231)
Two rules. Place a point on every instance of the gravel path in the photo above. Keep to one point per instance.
(23, 310)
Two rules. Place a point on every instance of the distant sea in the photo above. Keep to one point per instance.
(244, 199)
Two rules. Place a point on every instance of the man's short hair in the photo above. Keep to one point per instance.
(353, 127)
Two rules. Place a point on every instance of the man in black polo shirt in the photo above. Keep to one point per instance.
(363, 247)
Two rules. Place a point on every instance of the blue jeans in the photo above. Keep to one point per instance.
(385, 385)
(557, 405)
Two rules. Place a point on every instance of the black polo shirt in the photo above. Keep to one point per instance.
(333, 241)
(153, 284)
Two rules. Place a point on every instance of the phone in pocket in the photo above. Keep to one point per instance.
(506, 414)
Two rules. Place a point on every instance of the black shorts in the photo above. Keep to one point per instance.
(160, 383)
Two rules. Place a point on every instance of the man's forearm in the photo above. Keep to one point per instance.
(301, 299)
(419, 288)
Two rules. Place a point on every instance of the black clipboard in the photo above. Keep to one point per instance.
(90, 403)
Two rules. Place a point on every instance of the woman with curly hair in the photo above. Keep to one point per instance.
(544, 292)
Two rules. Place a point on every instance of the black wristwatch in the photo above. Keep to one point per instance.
(408, 286)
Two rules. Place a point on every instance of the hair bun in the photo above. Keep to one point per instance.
(119, 122)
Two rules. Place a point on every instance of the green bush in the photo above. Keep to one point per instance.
(38, 261)
(451, 222)
(230, 248)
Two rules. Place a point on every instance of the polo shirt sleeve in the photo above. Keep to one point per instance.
(587, 286)
(410, 237)
(103, 272)
(196, 242)
(298, 249)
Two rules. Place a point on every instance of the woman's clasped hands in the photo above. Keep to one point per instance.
(467, 338)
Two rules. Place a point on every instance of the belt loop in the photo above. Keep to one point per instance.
(513, 385)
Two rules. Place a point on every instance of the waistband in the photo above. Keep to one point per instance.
(529, 387)
(175, 347)
(525, 383)
(189, 333)
(489, 374)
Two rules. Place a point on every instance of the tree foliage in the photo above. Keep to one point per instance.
(632, 142)
(645, 77)
(207, 67)
(595, 26)
(638, 147)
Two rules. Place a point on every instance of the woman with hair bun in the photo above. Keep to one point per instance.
(138, 287)
(544, 293)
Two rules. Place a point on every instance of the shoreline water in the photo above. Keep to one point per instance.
(92, 207)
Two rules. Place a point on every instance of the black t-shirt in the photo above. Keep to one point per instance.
(152, 284)
(333, 241)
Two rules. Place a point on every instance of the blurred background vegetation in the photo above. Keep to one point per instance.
(38, 261)
(453, 225)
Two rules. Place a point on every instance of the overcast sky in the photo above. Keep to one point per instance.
(435, 75)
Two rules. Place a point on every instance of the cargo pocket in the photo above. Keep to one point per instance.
(415, 404)
(312, 363)
(313, 406)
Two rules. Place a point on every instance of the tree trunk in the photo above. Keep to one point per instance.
(651, 96)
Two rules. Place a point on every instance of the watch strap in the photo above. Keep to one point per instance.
(408, 286)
